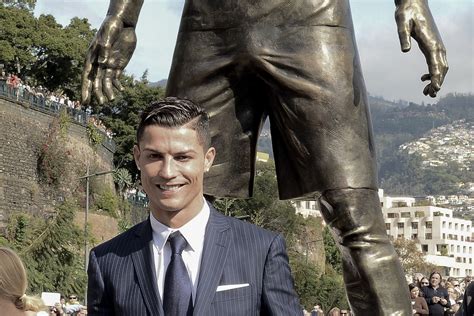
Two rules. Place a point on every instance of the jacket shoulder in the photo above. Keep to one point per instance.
(120, 242)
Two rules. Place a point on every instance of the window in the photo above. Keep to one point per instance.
(307, 205)
(313, 207)
(424, 248)
(387, 226)
(405, 214)
(392, 215)
(298, 204)
(400, 225)
(414, 225)
(464, 249)
(444, 236)
(414, 236)
(458, 249)
(456, 226)
(444, 224)
(419, 214)
(400, 204)
(429, 224)
(450, 225)
(400, 236)
(428, 236)
(462, 238)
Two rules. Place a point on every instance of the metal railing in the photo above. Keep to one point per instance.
(41, 103)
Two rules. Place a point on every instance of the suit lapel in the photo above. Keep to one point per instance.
(144, 267)
(216, 246)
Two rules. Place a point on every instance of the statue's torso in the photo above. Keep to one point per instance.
(210, 14)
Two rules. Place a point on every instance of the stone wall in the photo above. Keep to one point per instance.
(23, 131)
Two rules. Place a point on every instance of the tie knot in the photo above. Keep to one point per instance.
(177, 242)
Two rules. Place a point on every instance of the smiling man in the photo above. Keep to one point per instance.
(186, 258)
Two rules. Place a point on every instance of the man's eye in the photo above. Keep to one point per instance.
(153, 156)
(182, 158)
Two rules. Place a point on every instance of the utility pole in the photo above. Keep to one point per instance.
(86, 233)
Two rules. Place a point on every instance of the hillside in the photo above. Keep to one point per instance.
(397, 125)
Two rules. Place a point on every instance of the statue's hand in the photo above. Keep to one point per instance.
(108, 54)
(414, 19)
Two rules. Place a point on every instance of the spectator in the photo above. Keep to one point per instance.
(13, 284)
(317, 311)
(453, 299)
(436, 296)
(418, 303)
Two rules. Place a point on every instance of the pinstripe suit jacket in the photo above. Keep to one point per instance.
(123, 282)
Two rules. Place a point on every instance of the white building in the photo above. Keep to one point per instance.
(307, 208)
(446, 241)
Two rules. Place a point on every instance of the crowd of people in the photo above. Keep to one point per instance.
(438, 296)
(432, 295)
(13, 86)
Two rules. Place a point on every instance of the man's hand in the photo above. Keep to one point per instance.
(109, 53)
(414, 19)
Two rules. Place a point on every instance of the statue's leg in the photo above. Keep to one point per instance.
(372, 272)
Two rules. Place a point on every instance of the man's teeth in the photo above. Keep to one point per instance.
(169, 187)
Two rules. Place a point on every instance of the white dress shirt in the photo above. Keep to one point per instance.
(193, 232)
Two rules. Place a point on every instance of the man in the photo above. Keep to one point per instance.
(297, 62)
(232, 267)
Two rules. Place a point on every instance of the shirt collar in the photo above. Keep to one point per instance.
(193, 231)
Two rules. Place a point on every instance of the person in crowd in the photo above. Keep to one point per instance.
(453, 298)
(317, 311)
(436, 296)
(467, 307)
(424, 282)
(13, 284)
(418, 303)
(335, 311)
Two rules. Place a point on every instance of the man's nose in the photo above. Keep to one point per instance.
(168, 169)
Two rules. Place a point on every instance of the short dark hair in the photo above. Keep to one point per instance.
(176, 112)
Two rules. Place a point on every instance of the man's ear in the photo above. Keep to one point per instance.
(209, 158)
(136, 155)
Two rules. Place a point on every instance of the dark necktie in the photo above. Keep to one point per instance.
(177, 296)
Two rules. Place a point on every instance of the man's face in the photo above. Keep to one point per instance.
(172, 164)
(435, 279)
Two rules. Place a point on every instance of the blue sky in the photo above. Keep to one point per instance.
(387, 71)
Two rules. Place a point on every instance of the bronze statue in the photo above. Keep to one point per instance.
(297, 62)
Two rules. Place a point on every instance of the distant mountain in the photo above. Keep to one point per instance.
(161, 83)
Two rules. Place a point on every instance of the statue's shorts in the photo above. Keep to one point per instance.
(305, 77)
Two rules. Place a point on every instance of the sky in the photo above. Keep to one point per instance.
(387, 71)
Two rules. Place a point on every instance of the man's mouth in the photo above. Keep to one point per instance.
(173, 187)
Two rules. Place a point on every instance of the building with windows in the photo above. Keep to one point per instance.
(446, 241)
(307, 208)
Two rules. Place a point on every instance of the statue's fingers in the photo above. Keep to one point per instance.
(425, 77)
(404, 32)
(107, 86)
(98, 86)
(116, 80)
(88, 72)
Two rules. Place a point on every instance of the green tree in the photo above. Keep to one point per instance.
(333, 254)
(51, 250)
(411, 258)
(47, 53)
(123, 115)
